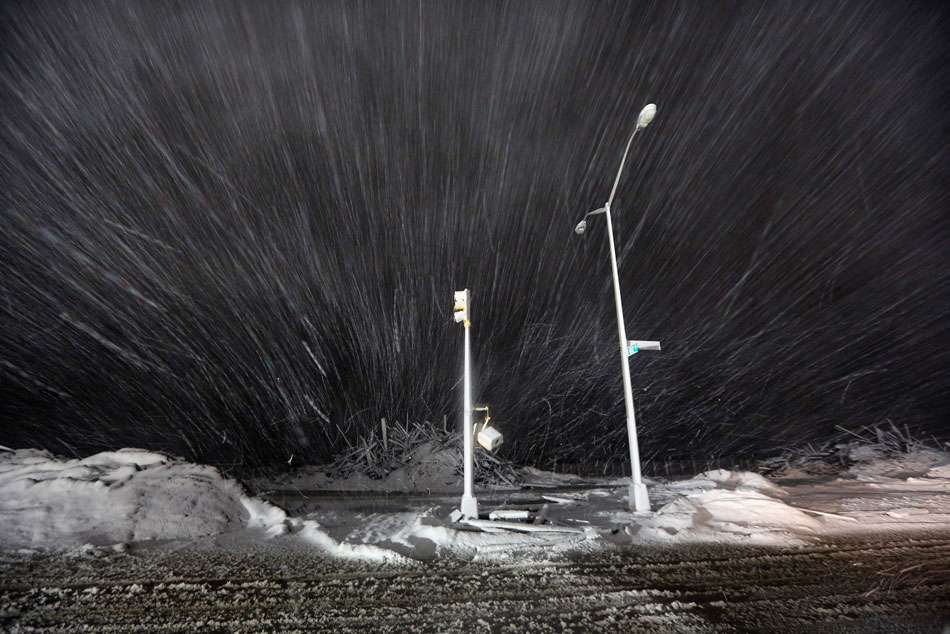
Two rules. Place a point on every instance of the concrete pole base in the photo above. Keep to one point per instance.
(639, 498)
(470, 507)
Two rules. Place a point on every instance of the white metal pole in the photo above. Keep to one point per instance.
(639, 498)
(469, 503)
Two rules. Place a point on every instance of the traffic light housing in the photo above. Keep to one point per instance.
(461, 306)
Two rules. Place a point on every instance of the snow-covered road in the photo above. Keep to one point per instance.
(268, 586)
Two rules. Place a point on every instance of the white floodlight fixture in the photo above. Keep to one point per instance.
(488, 437)
(639, 497)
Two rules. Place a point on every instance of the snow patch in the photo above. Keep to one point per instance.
(748, 513)
(723, 478)
(312, 532)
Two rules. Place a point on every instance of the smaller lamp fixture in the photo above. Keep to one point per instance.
(582, 225)
(488, 437)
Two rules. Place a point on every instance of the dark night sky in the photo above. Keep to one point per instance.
(231, 231)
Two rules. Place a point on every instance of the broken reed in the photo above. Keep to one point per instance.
(886, 439)
(396, 444)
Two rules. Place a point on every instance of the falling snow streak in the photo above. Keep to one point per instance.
(232, 231)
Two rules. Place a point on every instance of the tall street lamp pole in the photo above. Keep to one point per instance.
(639, 498)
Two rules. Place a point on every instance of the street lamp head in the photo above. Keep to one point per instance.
(646, 115)
(581, 226)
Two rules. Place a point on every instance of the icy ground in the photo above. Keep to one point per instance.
(112, 500)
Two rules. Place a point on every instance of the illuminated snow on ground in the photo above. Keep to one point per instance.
(114, 499)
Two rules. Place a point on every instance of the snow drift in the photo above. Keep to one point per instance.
(116, 497)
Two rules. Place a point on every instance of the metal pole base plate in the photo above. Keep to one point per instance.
(639, 498)
(470, 507)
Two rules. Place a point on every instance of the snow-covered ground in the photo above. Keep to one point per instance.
(114, 499)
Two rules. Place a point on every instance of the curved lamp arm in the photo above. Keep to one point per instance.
(646, 116)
